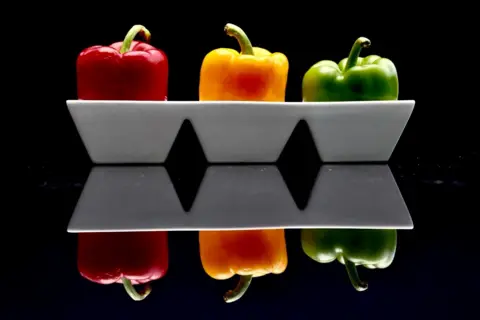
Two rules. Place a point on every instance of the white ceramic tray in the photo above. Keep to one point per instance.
(239, 197)
(242, 132)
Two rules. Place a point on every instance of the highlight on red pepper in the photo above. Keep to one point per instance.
(248, 253)
(126, 70)
(253, 74)
(129, 258)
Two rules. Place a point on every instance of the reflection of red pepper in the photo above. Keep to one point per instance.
(128, 70)
(127, 257)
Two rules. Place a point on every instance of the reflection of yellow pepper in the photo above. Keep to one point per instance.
(254, 74)
(248, 253)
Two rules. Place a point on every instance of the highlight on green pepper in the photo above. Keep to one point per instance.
(352, 79)
(371, 248)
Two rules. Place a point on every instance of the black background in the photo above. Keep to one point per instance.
(434, 163)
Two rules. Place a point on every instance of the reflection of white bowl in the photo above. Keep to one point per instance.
(139, 198)
(144, 131)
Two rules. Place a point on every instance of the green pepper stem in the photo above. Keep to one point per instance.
(127, 42)
(358, 284)
(355, 52)
(127, 284)
(236, 32)
(239, 291)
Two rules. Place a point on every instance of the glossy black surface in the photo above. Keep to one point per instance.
(433, 274)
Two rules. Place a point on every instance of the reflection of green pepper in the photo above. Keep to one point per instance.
(353, 79)
(370, 248)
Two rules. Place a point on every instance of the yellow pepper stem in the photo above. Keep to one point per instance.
(355, 52)
(239, 291)
(236, 32)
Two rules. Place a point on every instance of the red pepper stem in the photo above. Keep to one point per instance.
(236, 32)
(239, 291)
(127, 284)
(358, 284)
(127, 42)
(355, 52)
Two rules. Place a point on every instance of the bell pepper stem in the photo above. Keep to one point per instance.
(127, 42)
(236, 32)
(134, 294)
(355, 52)
(239, 291)
(357, 283)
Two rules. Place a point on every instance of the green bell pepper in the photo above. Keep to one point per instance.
(353, 79)
(352, 247)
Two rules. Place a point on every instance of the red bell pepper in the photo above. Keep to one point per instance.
(128, 70)
(130, 258)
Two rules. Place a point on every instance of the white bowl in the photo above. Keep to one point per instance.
(117, 199)
(242, 132)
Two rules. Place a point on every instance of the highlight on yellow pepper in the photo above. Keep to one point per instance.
(253, 74)
(247, 253)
